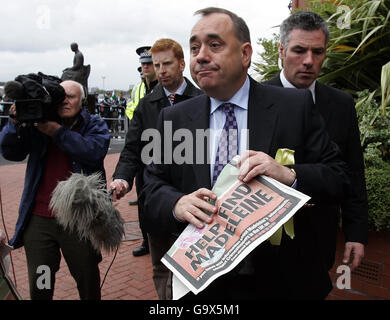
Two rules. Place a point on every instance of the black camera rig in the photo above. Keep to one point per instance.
(36, 97)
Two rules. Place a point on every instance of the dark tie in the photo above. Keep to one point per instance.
(172, 98)
(228, 142)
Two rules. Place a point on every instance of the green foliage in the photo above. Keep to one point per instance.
(268, 67)
(359, 45)
(374, 126)
(378, 191)
(385, 86)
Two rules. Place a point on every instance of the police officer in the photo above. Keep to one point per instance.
(137, 93)
(148, 76)
(149, 81)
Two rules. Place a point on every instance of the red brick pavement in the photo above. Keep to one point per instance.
(129, 278)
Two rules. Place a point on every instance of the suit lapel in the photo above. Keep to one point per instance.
(261, 118)
(275, 81)
(200, 120)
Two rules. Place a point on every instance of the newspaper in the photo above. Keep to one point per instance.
(248, 214)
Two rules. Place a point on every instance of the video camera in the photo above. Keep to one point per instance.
(36, 97)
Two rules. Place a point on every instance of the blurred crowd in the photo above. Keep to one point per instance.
(111, 108)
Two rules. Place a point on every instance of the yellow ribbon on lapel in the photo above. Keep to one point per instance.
(284, 157)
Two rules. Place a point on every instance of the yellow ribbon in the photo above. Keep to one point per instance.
(284, 157)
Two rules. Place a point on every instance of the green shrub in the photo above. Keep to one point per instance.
(378, 192)
(268, 66)
(374, 126)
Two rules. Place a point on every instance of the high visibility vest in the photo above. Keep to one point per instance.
(137, 94)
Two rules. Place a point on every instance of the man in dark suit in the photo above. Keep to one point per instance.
(168, 61)
(303, 42)
(176, 193)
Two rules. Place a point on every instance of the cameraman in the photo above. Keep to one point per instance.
(78, 143)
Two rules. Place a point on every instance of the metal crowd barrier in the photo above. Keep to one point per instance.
(118, 125)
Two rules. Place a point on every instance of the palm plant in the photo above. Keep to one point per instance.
(359, 45)
(374, 118)
(268, 67)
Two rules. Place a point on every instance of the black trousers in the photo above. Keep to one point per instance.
(139, 182)
(278, 273)
(44, 241)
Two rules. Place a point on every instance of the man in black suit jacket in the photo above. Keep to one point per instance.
(176, 194)
(168, 61)
(304, 38)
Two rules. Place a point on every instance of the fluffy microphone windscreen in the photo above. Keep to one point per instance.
(82, 204)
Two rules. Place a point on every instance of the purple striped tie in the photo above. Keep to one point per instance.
(228, 142)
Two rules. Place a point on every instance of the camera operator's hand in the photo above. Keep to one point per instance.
(48, 127)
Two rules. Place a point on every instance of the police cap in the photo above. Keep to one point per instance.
(144, 54)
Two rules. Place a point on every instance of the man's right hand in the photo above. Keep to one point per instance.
(120, 188)
(189, 207)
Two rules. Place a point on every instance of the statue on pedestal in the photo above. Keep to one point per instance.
(78, 72)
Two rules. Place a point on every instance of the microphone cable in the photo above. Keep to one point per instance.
(110, 193)
(109, 267)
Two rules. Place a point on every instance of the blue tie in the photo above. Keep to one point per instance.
(228, 142)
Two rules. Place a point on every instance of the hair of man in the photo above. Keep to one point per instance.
(240, 27)
(305, 20)
(168, 44)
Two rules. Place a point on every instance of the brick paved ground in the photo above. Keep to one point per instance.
(129, 278)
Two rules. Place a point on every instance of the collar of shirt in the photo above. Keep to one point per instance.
(288, 84)
(179, 90)
(240, 99)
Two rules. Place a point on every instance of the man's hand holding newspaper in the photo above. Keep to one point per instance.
(254, 163)
(189, 207)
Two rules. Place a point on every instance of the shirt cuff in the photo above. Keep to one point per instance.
(294, 185)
